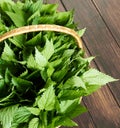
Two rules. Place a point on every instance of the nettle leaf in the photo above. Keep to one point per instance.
(19, 21)
(35, 40)
(94, 77)
(50, 70)
(48, 9)
(79, 109)
(74, 81)
(81, 32)
(60, 74)
(6, 5)
(89, 59)
(56, 62)
(90, 89)
(71, 108)
(7, 114)
(21, 84)
(22, 115)
(67, 94)
(36, 6)
(40, 59)
(48, 50)
(65, 121)
(8, 53)
(68, 53)
(35, 9)
(24, 74)
(33, 17)
(49, 83)
(3, 28)
(67, 106)
(15, 42)
(47, 100)
(33, 110)
(2, 88)
(62, 17)
(31, 63)
(46, 19)
(34, 123)
(8, 76)
(18, 40)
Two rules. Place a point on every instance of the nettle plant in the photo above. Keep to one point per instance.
(43, 74)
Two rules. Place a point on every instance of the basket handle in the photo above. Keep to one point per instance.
(42, 27)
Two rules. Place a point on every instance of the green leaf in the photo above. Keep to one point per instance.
(79, 109)
(34, 41)
(48, 49)
(33, 17)
(48, 9)
(65, 121)
(31, 63)
(19, 21)
(47, 100)
(6, 5)
(35, 9)
(81, 32)
(56, 62)
(71, 108)
(49, 83)
(45, 19)
(7, 114)
(50, 70)
(67, 94)
(91, 89)
(3, 88)
(21, 84)
(8, 53)
(34, 111)
(94, 77)
(68, 53)
(8, 76)
(15, 42)
(3, 28)
(22, 115)
(74, 81)
(40, 59)
(60, 74)
(36, 6)
(89, 59)
(62, 17)
(67, 106)
(34, 123)
(24, 74)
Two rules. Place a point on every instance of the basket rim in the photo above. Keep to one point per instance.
(42, 27)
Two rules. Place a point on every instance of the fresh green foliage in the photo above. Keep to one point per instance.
(43, 75)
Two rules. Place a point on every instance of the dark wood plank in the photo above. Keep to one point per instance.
(103, 108)
(100, 42)
(110, 11)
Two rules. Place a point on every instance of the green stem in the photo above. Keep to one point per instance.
(43, 117)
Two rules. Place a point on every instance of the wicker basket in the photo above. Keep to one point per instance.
(43, 27)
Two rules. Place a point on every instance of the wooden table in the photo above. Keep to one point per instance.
(102, 39)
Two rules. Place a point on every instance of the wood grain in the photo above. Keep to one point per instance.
(110, 12)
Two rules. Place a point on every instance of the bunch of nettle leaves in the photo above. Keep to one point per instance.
(43, 75)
